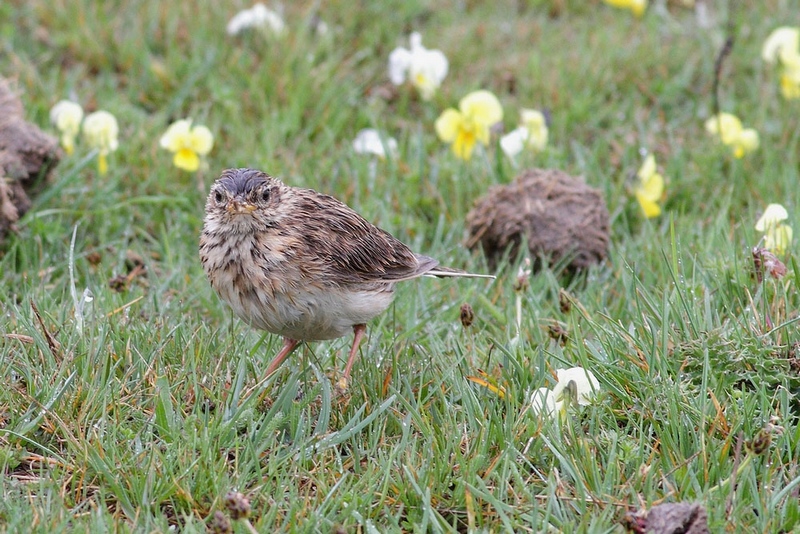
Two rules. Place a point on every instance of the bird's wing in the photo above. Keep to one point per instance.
(351, 249)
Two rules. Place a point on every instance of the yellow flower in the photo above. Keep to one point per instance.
(649, 188)
(536, 123)
(100, 130)
(778, 239)
(637, 7)
(790, 78)
(729, 129)
(781, 45)
(477, 112)
(67, 116)
(777, 235)
(187, 143)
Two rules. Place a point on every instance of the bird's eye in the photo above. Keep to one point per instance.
(265, 195)
(218, 196)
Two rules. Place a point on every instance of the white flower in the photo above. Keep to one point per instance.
(424, 68)
(101, 130)
(782, 45)
(543, 402)
(259, 16)
(585, 385)
(532, 134)
(513, 143)
(66, 116)
(369, 141)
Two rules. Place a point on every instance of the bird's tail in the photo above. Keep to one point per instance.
(445, 272)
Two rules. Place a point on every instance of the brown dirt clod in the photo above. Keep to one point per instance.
(558, 215)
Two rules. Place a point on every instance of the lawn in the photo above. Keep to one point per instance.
(134, 401)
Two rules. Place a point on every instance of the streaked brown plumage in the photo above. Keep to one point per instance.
(301, 264)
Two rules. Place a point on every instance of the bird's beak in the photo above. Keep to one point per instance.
(236, 208)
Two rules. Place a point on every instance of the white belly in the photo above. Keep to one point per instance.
(306, 315)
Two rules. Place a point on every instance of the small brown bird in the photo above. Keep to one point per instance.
(300, 264)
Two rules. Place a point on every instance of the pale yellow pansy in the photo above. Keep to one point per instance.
(536, 123)
(730, 131)
(100, 129)
(66, 116)
(637, 7)
(782, 44)
(470, 123)
(649, 188)
(783, 47)
(777, 235)
(790, 78)
(187, 143)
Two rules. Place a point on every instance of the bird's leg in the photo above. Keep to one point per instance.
(288, 346)
(358, 330)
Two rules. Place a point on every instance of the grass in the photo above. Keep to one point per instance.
(142, 412)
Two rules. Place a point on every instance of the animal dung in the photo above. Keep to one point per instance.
(560, 218)
(27, 156)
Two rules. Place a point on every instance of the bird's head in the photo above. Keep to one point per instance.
(244, 200)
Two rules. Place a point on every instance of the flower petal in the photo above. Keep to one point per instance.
(464, 144)
(650, 208)
(748, 140)
(448, 125)
(773, 215)
(586, 385)
(67, 116)
(399, 63)
(175, 137)
(536, 123)
(652, 188)
(482, 108)
(543, 402)
(186, 159)
(637, 7)
(369, 141)
(427, 70)
(778, 238)
(258, 16)
(513, 142)
(201, 140)
(782, 41)
(648, 168)
(100, 129)
(727, 126)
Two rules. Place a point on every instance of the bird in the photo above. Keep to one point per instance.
(301, 264)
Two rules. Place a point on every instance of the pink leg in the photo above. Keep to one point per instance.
(288, 346)
(358, 330)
